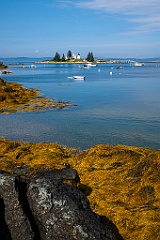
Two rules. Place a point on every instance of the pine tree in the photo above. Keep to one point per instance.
(57, 57)
(90, 57)
(63, 58)
(69, 54)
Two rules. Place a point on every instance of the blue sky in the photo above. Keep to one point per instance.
(108, 28)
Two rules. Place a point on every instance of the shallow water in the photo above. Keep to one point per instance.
(122, 108)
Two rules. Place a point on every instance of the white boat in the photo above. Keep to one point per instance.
(33, 66)
(85, 66)
(79, 77)
(138, 64)
(29, 66)
(91, 65)
(6, 71)
(88, 65)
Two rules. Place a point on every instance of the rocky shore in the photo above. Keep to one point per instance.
(43, 207)
(15, 98)
(122, 184)
(49, 191)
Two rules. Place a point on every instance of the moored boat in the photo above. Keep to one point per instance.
(79, 77)
(88, 65)
(6, 71)
(138, 64)
(119, 67)
(92, 65)
(29, 66)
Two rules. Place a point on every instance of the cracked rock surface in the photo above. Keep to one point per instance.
(46, 208)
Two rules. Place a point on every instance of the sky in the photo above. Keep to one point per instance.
(107, 28)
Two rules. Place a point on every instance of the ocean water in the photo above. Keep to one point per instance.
(122, 108)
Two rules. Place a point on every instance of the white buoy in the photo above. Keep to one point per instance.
(110, 73)
(99, 70)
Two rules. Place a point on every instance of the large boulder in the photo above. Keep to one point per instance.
(16, 221)
(46, 208)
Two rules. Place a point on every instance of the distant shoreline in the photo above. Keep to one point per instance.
(81, 62)
(95, 62)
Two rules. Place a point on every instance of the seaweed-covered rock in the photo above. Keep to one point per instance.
(120, 182)
(15, 98)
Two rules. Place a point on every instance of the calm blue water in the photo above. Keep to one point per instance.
(122, 108)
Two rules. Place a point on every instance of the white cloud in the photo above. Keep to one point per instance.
(122, 6)
(144, 13)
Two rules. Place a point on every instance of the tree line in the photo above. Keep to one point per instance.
(58, 58)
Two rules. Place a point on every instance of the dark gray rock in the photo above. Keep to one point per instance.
(56, 174)
(14, 216)
(63, 212)
(20, 171)
(46, 208)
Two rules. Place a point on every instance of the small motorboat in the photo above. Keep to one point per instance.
(29, 66)
(138, 64)
(6, 71)
(88, 65)
(79, 77)
(91, 65)
(119, 67)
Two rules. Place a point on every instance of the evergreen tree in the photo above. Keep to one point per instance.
(69, 54)
(63, 58)
(90, 57)
(57, 57)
